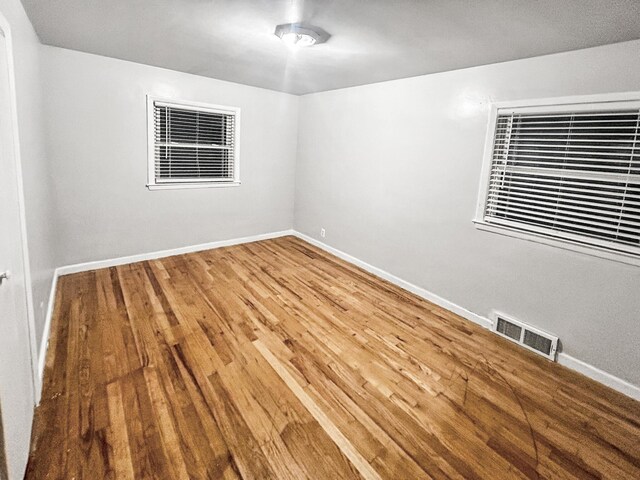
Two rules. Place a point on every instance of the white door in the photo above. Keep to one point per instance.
(16, 375)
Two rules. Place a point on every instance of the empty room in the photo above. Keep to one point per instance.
(319, 239)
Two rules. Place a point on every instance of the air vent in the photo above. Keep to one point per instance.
(509, 329)
(529, 337)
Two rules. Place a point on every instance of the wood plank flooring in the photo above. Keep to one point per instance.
(277, 360)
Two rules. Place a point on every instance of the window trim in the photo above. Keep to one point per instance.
(152, 184)
(565, 240)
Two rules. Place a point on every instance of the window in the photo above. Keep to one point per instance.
(567, 174)
(192, 145)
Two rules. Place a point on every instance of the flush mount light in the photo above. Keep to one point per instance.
(300, 35)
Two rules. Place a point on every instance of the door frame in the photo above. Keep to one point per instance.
(5, 30)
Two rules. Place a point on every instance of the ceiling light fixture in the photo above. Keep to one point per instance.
(300, 35)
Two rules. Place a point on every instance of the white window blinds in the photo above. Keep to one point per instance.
(571, 175)
(193, 144)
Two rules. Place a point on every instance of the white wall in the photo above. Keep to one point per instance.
(35, 167)
(97, 143)
(391, 171)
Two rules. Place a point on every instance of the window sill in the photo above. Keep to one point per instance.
(180, 186)
(566, 244)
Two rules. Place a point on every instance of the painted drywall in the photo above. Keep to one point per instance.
(39, 207)
(97, 143)
(391, 171)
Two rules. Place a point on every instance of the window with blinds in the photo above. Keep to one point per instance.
(192, 145)
(570, 173)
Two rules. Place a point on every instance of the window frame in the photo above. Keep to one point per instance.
(152, 183)
(565, 240)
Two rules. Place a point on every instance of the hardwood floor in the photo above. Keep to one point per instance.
(277, 360)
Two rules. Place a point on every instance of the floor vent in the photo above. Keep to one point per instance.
(529, 337)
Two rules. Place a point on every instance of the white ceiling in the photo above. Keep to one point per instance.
(372, 40)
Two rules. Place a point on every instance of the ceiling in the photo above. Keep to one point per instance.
(372, 40)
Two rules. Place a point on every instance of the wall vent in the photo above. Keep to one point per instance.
(529, 337)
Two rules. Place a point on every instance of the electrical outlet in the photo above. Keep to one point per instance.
(322, 232)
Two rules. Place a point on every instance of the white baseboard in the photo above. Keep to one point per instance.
(421, 292)
(44, 342)
(568, 361)
(600, 376)
(113, 262)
